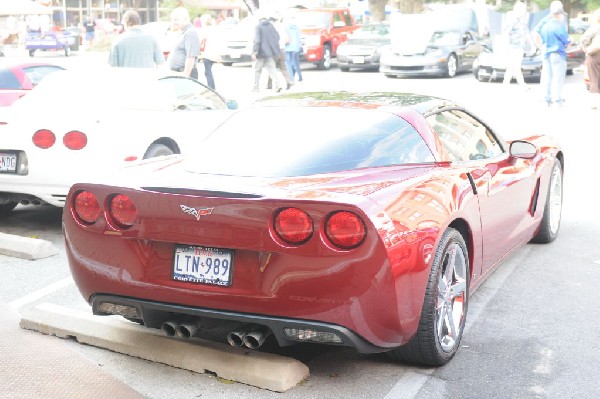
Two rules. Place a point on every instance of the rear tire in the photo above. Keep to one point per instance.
(550, 223)
(445, 307)
(67, 51)
(344, 69)
(157, 150)
(31, 53)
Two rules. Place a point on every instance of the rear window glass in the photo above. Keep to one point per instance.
(299, 141)
(8, 80)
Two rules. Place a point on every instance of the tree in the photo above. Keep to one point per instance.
(377, 9)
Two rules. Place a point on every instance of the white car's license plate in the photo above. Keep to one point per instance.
(358, 60)
(235, 55)
(196, 264)
(8, 162)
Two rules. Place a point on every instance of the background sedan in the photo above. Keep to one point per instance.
(437, 53)
(490, 65)
(363, 48)
(17, 80)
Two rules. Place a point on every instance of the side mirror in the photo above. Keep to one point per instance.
(232, 104)
(522, 149)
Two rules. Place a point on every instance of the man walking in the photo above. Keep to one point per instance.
(552, 34)
(135, 48)
(266, 48)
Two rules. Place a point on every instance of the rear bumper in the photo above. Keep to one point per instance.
(156, 313)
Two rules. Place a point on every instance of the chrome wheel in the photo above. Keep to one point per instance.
(555, 199)
(452, 291)
(452, 66)
(550, 222)
(445, 306)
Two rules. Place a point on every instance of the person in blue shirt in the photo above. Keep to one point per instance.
(552, 35)
(292, 49)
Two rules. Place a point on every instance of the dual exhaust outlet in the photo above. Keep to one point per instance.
(184, 330)
(249, 336)
(252, 337)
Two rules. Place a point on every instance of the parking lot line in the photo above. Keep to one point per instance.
(42, 292)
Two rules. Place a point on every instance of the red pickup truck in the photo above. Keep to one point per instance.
(322, 30)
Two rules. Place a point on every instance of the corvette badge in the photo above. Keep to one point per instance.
(196, 212)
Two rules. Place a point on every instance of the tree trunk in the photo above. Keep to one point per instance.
(377, 9)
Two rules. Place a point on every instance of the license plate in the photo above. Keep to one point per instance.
(235, 55)
(196, 264)
(8, 162)
(358, 60)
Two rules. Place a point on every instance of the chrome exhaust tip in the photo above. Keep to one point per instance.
(256, 338)
(169, 328)
(236, 338)
(187, 330)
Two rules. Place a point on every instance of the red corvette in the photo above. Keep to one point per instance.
(360, 220)
(17, 80)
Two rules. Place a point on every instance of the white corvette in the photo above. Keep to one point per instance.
(85, 126)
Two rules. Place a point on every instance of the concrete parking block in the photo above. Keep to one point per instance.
(26, 247)
(259, 369)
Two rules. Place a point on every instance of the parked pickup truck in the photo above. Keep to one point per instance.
(322, 30)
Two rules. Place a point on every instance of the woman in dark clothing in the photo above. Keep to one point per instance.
(592, 61)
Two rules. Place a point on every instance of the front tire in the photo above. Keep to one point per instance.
(67, 51)
(550, 223)
(157, 150)
(31, 53)
(325, 63)
(451, 66)
(444, 310)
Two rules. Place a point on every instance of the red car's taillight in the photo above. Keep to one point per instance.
(44, 138)
(293, 226)
(122, 211)
(345, 230)
(86, 207)
(75, 140)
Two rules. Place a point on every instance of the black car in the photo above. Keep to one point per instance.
(490, 65)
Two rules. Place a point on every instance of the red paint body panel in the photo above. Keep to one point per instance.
(9, 93)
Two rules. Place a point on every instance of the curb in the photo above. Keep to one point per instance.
(262, 370)
(25, 247)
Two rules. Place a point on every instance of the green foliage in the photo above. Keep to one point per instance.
(193, 6)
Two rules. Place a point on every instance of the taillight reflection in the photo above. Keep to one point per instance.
(44, 138)
(122, 211)
(75, 140)
(86, 207)
(345, 230)
(293, 226)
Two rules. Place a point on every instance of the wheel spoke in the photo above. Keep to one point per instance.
(452, 328)
(441, 318)
(450, 265)
(458, 288)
